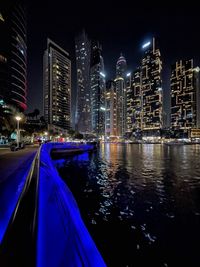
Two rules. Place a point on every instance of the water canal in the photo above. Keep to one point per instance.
(140, 203)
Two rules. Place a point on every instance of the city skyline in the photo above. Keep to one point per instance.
(115, 37)
(99, 133)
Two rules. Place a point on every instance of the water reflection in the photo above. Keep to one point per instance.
(140, 202)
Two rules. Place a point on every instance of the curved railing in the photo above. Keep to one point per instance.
(62, 238)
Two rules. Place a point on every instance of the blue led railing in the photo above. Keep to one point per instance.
(62, 238)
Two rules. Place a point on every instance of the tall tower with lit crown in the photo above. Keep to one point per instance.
(120, 82)
(151, 90)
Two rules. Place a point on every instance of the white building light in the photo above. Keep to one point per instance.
(102, 74)
(146, 45)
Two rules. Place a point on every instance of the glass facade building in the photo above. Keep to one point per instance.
(120, 80)
(110, 111)
(57, 87)
(97, 90)
(151, 90)
(184, 95)
(134, 102)
(83, 103)
(13, 54)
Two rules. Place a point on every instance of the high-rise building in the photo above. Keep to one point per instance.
(197, 86)
(151, 89)
(83, 103)
(129, 105)
(185, 105)
(57, 87)
(110, 111)
(134, 102)
(97, 90)
(120, 81)
(13, 53)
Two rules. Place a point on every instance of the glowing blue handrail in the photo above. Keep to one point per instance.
(62, 238)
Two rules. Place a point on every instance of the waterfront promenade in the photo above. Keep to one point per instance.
(17, 162)
(14, 169)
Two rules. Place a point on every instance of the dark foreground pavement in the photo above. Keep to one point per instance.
(12, 162)
(14, 170)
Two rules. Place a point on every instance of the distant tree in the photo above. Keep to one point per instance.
(42, 119)
(36, 112)
(29, 115)
(71, 132)
(78, 136)
(8, 122)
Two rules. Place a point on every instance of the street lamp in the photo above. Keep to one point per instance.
(18, 118)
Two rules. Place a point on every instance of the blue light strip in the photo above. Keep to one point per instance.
(63, 239)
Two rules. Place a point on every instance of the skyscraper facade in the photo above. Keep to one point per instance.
(129, 105)
(83, 103)
(197, 86)
(151, 89)
(97, 90)
(110, 111)
(134, 102)
(184, 95)
(57, 87)
(120, 81)
(13, 53)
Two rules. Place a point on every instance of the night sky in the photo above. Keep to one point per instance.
(119, 28)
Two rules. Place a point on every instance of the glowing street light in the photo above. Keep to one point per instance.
(18, 118)
(102, 108)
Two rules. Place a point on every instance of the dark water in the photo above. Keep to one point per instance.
(141, 203)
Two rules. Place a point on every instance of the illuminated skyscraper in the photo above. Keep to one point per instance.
(129, 105)
(197, 86)
(151, 89)
(83, 103)
(97, 90)
(110, 111)
(185, 95)
(134, 102)
(120, 81)
(57, 87)
(13, 53)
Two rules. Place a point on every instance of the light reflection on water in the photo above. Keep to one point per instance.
(140, 202)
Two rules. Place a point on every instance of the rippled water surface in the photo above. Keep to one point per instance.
(141, 203)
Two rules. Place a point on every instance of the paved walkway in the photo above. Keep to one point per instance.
(14, 167)
(12, 161)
